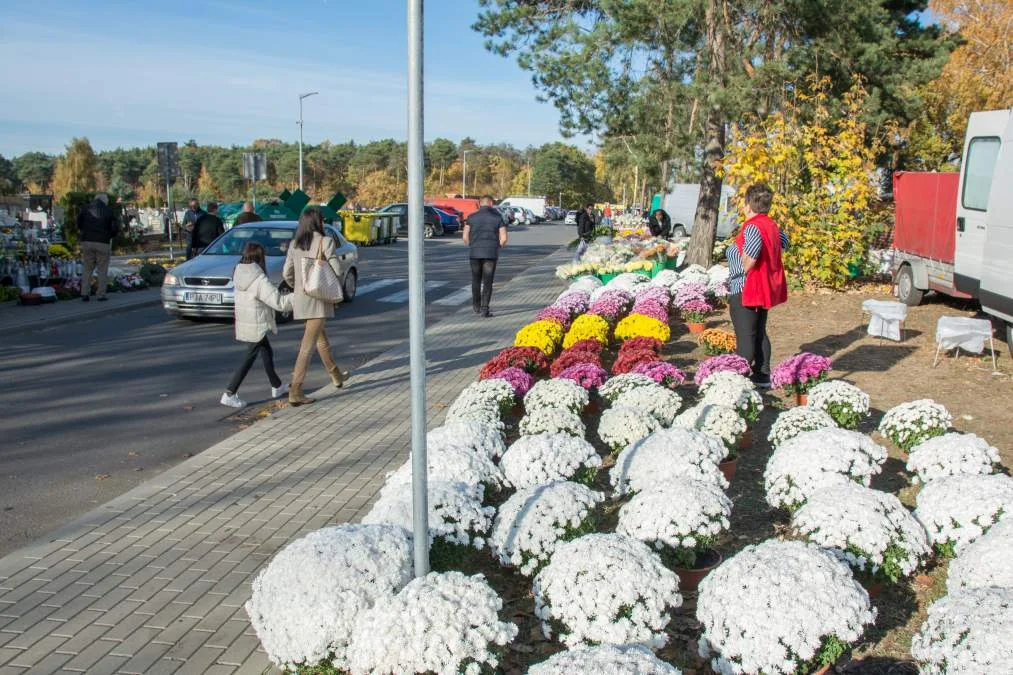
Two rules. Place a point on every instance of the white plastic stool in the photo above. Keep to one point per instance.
(887, 318)
(961, 332)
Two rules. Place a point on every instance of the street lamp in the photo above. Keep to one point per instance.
(301, 97)
(464, 174)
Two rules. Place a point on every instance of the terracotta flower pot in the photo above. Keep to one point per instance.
(802, 399)
(689, 579)
(823, 671)
(517, 410)
(593, 406)
(695, 327)
(746, 440)
(873, 588)
(728, 468)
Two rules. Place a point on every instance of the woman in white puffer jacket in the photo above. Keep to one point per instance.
(257, 299)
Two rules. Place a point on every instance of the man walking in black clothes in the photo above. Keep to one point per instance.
(585, 222)
(96, 226)
(484, 233)
(207, 228)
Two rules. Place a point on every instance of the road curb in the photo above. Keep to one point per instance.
(41, 322)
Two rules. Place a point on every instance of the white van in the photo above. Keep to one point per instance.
(536, 204)
(680, 205)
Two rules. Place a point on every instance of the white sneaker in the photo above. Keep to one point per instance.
(278, 392)
(232, 400)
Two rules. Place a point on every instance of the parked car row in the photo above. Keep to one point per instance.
(438, 222)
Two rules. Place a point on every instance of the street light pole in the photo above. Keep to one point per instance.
(301, 97)
(464, 175)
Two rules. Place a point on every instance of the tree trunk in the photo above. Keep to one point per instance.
(705, 222)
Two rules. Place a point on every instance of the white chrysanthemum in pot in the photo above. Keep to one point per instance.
(604, 660)
(661, 403)
(967, 632)
(535, 520)
(957, 510)
(780, 607)
(483, 398)
(556, 393)
(909, 424)
(619, 384)
(444, 623)
(952, 455)
(795, 421)
(868, 529)
(456, 514)
(606, 589)
(481, 438)
(450, 465)
(313, 592)
(984, 562)
(654, 461)
(621, 425)
(746, 401)
(719, 421)
(725, 378)
(551, 421)
(843, 401)
(544, 458)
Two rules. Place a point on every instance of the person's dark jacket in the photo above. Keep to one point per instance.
(96, 223)
(207, 228)
(247, 217)
(483, 233)
(585, 225)
(660, 225)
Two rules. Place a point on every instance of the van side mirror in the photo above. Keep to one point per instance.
(961, 224)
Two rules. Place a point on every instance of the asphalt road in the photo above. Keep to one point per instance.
(95, 407)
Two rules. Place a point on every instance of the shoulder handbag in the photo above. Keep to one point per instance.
(319, 279)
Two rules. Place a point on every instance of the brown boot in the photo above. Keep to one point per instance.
(296, 398)
(338, 376)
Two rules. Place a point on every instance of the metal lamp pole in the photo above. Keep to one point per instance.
(301, 97)
(464, 175)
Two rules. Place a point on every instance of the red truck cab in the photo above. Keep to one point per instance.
(464, 205)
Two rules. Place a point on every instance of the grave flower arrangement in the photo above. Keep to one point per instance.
(781, 607)
(952, 454)
(956, 510)
(909, 424)
(606, 589)
(801, 372)
(662, 372)
(535, 520)
(547, 457)
(716, 364)
(844, 402)
(967, 632)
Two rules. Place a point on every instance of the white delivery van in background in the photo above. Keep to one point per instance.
(680, 205)
(536, 204)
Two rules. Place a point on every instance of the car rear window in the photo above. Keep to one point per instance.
(274, 240)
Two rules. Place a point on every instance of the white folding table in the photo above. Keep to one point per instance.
(961, 332)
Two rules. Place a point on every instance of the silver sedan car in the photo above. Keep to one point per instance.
(202, 287)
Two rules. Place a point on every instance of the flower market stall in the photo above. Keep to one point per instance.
(585, 514)
(607, 258)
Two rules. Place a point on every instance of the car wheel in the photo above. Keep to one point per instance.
(906, 291)
(679, 231)
(430, 231)
(350, 285)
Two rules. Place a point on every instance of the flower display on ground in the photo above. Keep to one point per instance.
(662, 404)
(716, 341)
(618, 384)
(717, 420)
(817, 459)
(638, 325)
(587, 327)
(732, 363)
(689, 292)
(780, 607)
(725, 378)
(483, 412)
(952, 455)
(572, 357)
(619, 425)
(868, 529)
(528, 359)
(685, 516)
(551, 420)
(985, 561)
(746, 401)
(956, 510)
(556, 393)
(593, 346)
(610, 306)
(574, 301)
(535, 520)
(967, 632)
(586, 283)
(625, 660)
(801, 372)
(652, 308)
(654, 292)
(587, 375)
(844, 402)
(451, 465)
(662, 372)
(495, 391)
(456, 514)
(909, 424)
(547, 457)
(475, 436)
(308, 598)
(629, 360)
(545, 336)
(606, 589)
(696, 311)
(560, 315)
(639, 343)
(660, 459)
(520, 380)
(444, 623)
(795, 421)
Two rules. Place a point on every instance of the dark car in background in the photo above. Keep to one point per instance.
(434, 224)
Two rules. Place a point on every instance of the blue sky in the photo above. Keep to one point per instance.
(227, 72)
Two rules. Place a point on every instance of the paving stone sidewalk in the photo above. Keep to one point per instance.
(155, 581)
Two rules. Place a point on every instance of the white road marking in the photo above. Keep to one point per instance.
(376, 285)
(402, 296)
(456, 298)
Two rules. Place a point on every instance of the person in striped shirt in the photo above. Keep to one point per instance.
(748, 255)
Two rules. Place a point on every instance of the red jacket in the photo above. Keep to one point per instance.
(765, 285)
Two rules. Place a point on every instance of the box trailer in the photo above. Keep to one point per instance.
(536, 204)
(954, 232)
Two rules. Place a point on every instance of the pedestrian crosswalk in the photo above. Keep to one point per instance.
(400, 296)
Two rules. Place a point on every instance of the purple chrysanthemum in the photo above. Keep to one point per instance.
(517, 378)
(587, 375)
(662, 372)
(801, 372)
(732, 363)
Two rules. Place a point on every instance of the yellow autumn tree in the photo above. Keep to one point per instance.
(207, 189)
(76, 170)
(379, 188)
(820, 162)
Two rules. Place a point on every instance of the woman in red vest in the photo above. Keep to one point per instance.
(756, 281)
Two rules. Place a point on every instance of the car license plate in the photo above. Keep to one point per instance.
(205, 298)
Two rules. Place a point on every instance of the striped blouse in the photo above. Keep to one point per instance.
(751, 245)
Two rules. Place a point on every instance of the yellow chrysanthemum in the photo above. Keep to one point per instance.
(638, 325)
(543, 335)
(587, 327)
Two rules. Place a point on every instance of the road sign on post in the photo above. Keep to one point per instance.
(168, 168)
(254, 169)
